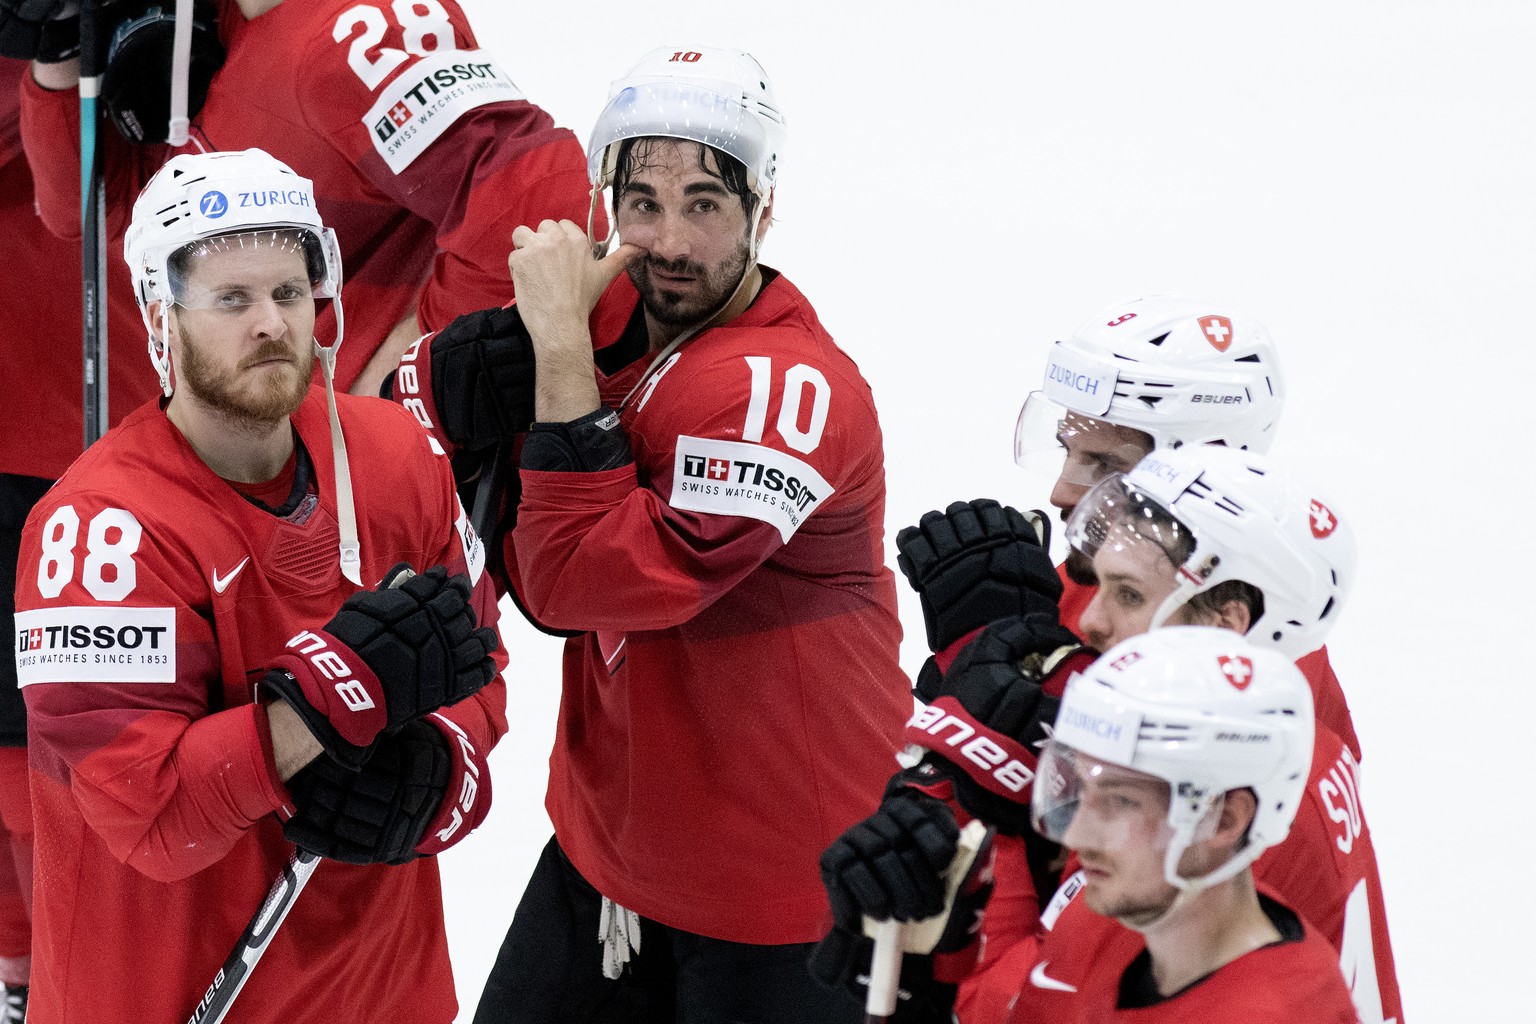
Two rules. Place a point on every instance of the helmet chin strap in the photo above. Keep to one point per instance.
(346, 512)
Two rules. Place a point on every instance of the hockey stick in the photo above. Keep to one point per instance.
(93, 242)
(231, 977)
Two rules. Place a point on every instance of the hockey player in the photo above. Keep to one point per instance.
(1167, 924)
(427, 154)
(209, 668)
(704, 512)
(1157, 372)
(1204, 535)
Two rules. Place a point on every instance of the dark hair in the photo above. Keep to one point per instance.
(731, 172)
(1209, 602)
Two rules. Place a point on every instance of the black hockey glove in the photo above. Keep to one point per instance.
(1003, 687)
(897, 864)
(591, 444)
(43, 30)
(892, 864)
(974, 563)
(378, 813)
(482, 377)
(388, 656)
(135, 89)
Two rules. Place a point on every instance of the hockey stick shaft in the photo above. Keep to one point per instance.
(232, 976)
(884, 972)
(93, 267)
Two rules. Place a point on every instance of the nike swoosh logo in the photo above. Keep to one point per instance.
(1040, 979)
(219, 585)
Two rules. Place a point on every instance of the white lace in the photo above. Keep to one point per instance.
(619, 931)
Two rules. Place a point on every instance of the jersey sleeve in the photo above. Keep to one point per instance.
(723, 480)
(429, 119)
(123, 688)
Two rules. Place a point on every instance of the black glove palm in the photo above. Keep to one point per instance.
(482, 377)
(379, 813)
(974, 563)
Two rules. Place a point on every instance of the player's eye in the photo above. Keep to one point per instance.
(290, 293)
(706, 206)
(232, 300)
(1129, 597)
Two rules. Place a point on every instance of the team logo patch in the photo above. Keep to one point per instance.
(96, 645)
(426, 99)
(1237, 669)
(1321, 519)
(740, 479)
(213, 205)
(1080, 382)
(1217, 331)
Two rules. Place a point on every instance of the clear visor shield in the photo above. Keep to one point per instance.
(1118, 515)
(715, 116)
(1089, 804)
(1057, 443)
(291, 271)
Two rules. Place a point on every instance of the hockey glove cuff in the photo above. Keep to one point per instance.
(379, 813)
(977, 562)
(467, 796)
(592, 444)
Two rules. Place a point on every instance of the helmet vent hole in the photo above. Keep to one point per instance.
(1159, 339)
(1253, 358)
(1327, 608)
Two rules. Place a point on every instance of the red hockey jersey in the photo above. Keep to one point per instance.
(41, 333)
(150, 597)
(416, 141)
(735, 701)
(1078, 966)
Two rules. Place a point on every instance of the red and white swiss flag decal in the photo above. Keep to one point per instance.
(1321, 519)
(1217, 331)
(1237, 669)
(719, 469)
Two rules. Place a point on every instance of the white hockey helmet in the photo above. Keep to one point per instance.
(1222, 514)
(197, 196)
(1182, 371)
(718, 97)
(200, 196)
(1205, 711)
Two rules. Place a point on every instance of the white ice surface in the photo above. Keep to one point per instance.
(965, 182)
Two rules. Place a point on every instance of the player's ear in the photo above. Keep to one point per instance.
(1238, 807)
(766, 219)
(1234, 615)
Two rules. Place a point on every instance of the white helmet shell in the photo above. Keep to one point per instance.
(721, 98)
(1202, 709)
(1243, 517)
(196, 196)
(1183, 371)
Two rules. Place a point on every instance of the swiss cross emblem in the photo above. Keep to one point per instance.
(1322, 520)
(34, 639)
(1237, 669)
(719, 469)
(400, 113)
(1217, 331)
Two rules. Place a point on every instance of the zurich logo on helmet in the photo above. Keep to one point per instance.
(213, 205)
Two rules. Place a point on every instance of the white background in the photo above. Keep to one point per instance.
(965, 182)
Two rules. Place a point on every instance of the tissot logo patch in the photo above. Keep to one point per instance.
(426, 99)
(752, 480)
(96, 645)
